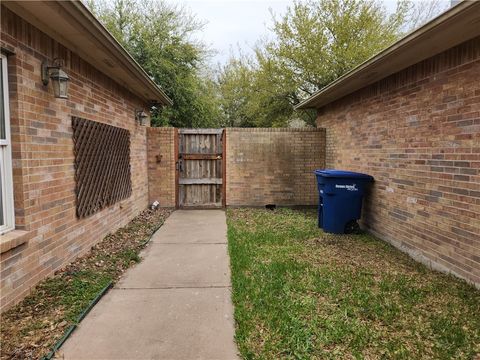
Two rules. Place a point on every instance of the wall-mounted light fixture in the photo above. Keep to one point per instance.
(59, 78)
(141, 117)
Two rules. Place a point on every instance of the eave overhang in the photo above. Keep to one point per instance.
(455, 26)
(74, 26)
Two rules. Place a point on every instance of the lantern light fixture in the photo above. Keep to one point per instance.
(141, 117)
(58, 76)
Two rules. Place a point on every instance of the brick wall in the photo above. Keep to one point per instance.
(48, 233)
(418, 133)
(273, 166)
(161, 165)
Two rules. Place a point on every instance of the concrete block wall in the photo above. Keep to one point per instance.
(273, 166)
(48, 234)
(418, 133)
(161, 165)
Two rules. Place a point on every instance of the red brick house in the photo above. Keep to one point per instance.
(41, 225)
(410, 117)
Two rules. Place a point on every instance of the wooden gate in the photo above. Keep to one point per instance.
(201, 168)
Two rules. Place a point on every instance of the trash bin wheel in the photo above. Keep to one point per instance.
(352, 227)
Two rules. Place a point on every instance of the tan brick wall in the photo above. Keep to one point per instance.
(418, 133)
(43, 157)
(273, 166)
(161, 165)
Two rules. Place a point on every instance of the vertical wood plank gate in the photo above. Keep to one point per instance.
(201, 168)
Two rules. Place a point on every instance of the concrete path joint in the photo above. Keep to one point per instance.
(175, 304)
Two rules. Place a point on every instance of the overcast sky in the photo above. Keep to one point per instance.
(234, 23)
(238, 23)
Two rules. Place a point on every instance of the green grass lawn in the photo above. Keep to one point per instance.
(302, 294)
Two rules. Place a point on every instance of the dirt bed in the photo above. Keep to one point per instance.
(31, 328)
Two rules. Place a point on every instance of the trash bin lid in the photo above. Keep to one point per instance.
(332, 173)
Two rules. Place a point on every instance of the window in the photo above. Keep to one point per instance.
(7, 218)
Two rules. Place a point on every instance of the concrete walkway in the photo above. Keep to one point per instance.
(175, 304)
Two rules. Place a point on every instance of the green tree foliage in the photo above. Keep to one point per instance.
(314, 43)
(160, 37)
(236, 83)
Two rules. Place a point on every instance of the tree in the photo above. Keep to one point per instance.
(422, 11)
(160, 38)
(315, 42)
(236, 86)
(318, 41)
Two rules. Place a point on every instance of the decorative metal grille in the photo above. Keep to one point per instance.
(102, 165)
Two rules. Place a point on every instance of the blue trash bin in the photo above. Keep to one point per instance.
(340, 199)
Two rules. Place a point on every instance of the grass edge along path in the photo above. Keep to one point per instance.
(299, 293)
(31, 328)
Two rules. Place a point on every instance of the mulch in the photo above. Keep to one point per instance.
(30, 329)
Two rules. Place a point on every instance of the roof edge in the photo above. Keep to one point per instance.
(463, 8)
(73, 25)
(86, 13)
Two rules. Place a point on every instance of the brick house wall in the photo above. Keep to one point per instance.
(48, 234)
(273, 166)
(418, 133)
(161, 165)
